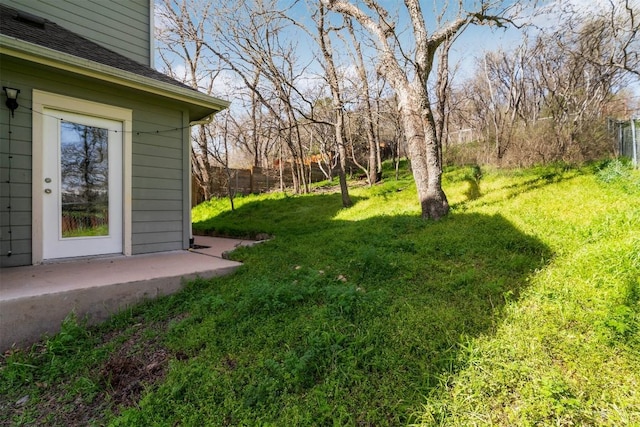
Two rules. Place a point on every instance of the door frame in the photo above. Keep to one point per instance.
(43, 100)
(55, 244)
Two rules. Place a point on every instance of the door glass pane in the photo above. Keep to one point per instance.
(84, 171)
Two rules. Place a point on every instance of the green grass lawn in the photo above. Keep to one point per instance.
(522, 307)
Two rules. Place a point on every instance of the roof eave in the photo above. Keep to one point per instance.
(200, 105)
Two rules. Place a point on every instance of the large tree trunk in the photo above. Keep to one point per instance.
(342, 153)
(433, 201)
(424, 153)
(417, 119)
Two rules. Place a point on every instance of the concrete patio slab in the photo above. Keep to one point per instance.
(35, 299)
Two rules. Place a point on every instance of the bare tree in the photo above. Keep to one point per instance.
(218, 134)
(183, 58)
(548, 97)
(505, 79)
(331, 74)
(610, 33)
(249, 37)
(576, 92)
(251, 125)
(323, 137)
(443, 94)
(424, 145)
(374, 162)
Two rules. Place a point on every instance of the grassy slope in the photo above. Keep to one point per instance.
(567, 351)
(520, 308)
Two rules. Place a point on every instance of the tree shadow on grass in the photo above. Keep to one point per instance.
(332, 322)
(473, 189)
(352, 322)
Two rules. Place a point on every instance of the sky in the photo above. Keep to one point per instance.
(473, 41)
(471, 44)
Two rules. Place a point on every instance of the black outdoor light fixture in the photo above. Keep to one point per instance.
(12, 98)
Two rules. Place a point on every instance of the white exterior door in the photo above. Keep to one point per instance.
(82, 198)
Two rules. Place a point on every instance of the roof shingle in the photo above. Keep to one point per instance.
(44, 33)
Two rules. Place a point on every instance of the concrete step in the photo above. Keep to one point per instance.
(34, 300)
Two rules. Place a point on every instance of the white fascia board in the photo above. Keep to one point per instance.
(11, 46)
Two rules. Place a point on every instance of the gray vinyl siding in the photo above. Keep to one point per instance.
(15, 197)
(158, 202)
(123, 26)
(160, 206)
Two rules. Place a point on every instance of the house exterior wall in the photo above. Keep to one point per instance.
(124, 26)
(15, 162)
(160, 161)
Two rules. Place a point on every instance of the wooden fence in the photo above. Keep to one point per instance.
(248, 181)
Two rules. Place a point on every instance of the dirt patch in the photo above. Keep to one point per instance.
(139, 361)
(124, 376)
